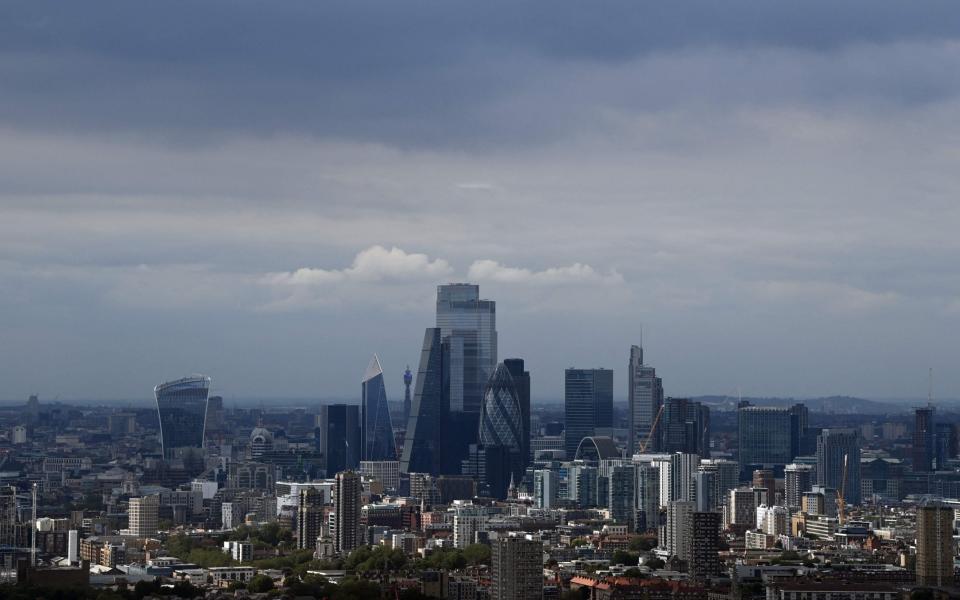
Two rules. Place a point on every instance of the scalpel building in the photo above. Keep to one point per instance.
(182, 407)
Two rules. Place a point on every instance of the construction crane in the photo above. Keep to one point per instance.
(841, 502)
(646, 442)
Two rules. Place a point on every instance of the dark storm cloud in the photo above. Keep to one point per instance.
(417, 73)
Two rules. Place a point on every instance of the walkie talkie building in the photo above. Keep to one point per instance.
(182, 407)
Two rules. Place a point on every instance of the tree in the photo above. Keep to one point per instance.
(259, 584)
(622, 557)
(477, 554)
(640, 543)
(581, 593)
(654, 563)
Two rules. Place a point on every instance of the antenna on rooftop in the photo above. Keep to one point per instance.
(930, 388)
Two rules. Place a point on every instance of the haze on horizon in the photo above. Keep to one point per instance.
(270, 193)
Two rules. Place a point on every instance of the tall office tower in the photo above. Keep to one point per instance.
(766, 437)
(143, 516)
(620, 500)
(686, 427)
(546, 488)
(423, 446)
(645, 397)
(797, 479)
(742, 507)
(935, 545)
(677, 534)
(501, 422)
(705, 489)
(945, 440)
(582, 485)
(764, 479)
(833, 446)
(182, 407)
(705, 546)
(214, 418)
(800, 442)
(309, 517)
(407, 380)
(469, 325)
(346, 501)
(376, 430)
(516, 567)
(923, 440)
(588, 404)
(726, 476)
(683, 467)
(340, 437)
(521, 382)
(647, 496)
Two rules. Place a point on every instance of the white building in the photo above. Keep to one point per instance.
(467, 521)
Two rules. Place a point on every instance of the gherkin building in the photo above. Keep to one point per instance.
(500, 418)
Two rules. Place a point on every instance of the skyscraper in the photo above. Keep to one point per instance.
(521, 383)
(340, 437)
(501, 427)
(676, 536)
(546, 488)
(647, 496)
(645, 397)
(309, 517)
(935, 545)
(376, 433)
(620, 501)
(798, 478)
(588, 404)
(407, 380)
(347, 506)
(685, 427)
(143, 516)
(923, 440)
(469, 325)
(516, 567)
(182, 408)
(423, 446)
(705, 546)
(834, 447)
(766, 437)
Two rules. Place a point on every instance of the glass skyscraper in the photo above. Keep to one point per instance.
(501, 421)
(588, 404)
(645, 397)
(182, 408)
(469, 326)
(833, 446)
(340, 437)
(521, 382)
(376, 434)
(422, 447)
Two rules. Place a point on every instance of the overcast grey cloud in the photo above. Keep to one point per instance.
(269, 192)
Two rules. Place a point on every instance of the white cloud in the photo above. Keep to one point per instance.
(577, 273)
(376, 263)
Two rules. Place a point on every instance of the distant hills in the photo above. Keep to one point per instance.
(846, 405)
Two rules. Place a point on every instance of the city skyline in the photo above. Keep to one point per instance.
(769, 198)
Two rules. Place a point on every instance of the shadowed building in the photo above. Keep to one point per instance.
(182, 408)
(376, 433)
(588, 404)
(422, 448)
(645, 397)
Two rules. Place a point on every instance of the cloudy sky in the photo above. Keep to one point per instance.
(269, 192)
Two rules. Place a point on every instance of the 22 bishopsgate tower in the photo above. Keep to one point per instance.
(459, 356)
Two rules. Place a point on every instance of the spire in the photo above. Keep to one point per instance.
(373, 369)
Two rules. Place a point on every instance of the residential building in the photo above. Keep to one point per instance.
(347, 506)
(935, 546)
(516, 567)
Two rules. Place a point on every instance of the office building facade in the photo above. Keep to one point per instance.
(516, 568)
(182, 409)
(644, 397)
(588, 404)
(923, 451)
(340, 437)
(422, 448)
(347, 506)
(834, 447)
(376, 431)
(469, 325)
(521, 383)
